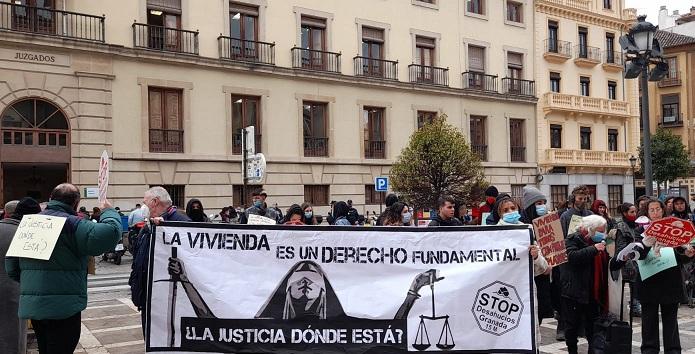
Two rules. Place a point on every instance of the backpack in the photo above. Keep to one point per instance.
(353, 216)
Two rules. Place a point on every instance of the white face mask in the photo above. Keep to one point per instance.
(145, 211)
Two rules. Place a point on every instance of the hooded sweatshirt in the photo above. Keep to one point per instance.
(684, 215)
(197, 215)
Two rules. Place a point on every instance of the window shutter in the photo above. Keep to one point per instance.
(243, 8)
(515, 60)
(313, 21)
(425, 42)
(155, 109)
(476, 58)
(173, 6)
(670, 99)
(373, 34)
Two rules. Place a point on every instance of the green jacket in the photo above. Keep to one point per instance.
(57, 288)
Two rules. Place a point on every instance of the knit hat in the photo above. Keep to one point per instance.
(26, 206)
(492, 192)
(531, 196)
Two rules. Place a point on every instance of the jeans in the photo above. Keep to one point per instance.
(58, 336)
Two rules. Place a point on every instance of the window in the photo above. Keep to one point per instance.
(164, 18)
(584, 84)
(424, 51)
(476, 59)
(615, 198)
(243, 30)
(585, 138)
(478, 137)
(583, 42)
(672, 68)
(34, 21)
(592, 193)
(34, 122)
(517, 192)
(374, 141)
(516, 140)
(515, 11)
(424, 117)
(166, 123)
(612, 90)
(607, 4)
(245, 112)
(610, 45)
(315, 129)
(316, 195)
(476, 6)
(553, 37)
(670, 108)
(556, 136)
(176, 192)
(238, 191)
(558, 195)
(313, 37)
(372, 51)
(554, 82)
(612, 139)
(515, 65)
(371, 196)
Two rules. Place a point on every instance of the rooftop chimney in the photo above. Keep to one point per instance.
(663, 7)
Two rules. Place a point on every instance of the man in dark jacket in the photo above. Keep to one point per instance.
(445, 213)
(53, 293)
(579, 200)
(259, 207)
(583, 297)
(160, 208)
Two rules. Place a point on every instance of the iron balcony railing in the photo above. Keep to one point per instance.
(519, 87)
(315, 147)
(479, 81)
(586, 52)
(246, 50)
(673, 79)
(236, 143)
(65, 24)
(376, 68)
(317, 60)
(611, 57)
(518, 153)
(558, 47)
(672, 120)
(374, 149)
(162, 140)
(481, 151)
(431, 75)
(165, 39)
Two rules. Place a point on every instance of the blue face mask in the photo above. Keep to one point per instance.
(511, 217)
(541, 209)
(258, 203)
(407, 217)
(308, 214)
(598, 237)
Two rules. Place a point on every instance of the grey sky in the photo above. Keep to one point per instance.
(651, 7)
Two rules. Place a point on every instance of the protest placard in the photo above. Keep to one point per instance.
(300, 289)
(574, 224)
(671, 231)
(36, 236)
(550, 239)
(654, 264)
(260, 220)
(103, 176)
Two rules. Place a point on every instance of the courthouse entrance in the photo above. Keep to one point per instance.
(35, 149)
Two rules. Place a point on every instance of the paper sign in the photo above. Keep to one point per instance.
(671, 231)
(103, 177)
(574, 224)
(630, 251)
(36, 236)
(260, 220)
(483, 221)
(550, 238)
(653, 264)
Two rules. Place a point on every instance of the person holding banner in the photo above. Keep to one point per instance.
(445, 213)
(294, 216)
(309, 217)
(397, 214)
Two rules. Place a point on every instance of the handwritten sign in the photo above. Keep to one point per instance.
(671, 231)
(550, 238)
(103, 177)
(574, 224)
(653, 264)
(260, 220)
(36, 237)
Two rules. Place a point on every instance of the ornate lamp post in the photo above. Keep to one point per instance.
(633, 164)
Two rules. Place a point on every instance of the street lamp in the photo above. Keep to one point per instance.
(633, 164)
(642, 49)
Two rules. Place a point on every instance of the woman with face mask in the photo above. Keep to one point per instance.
(535, 204)
(394, 215)
(626, 232)
(309, 217)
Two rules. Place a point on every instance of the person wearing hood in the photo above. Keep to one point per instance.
(195, 211)
(535, 204)
(494, 216)
(340, 213)
(681, 209)
(445, 213)
(491, 194)
(599, 207)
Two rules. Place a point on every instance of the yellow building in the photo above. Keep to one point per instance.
(334, 89)
(588, 118)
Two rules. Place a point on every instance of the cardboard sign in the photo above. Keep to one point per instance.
(550, 238)
(103, 177)
(260, 220)
(574, 224)
(671, 231)
(36, 237)
(653, 264)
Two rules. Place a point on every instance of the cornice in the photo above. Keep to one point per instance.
(581, 16)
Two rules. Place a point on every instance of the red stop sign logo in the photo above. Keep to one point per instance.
(671, 231)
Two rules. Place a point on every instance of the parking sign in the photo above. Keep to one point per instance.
(381, 184)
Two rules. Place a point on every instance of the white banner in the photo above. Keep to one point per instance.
(277, 289)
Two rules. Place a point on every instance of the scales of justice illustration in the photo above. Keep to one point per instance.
(422, 339)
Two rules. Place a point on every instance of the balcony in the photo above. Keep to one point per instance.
(476, 81)
(374, 149)
(518, 87)
(165, 39)
(166, 140)
(429, 75)
(49, 22)
(672, 80)
(315, 60)
(315, 147)
(237, 143)
(612, 61)
(573, 103)
(376, 68)
(575, 4)
(672, 121)
(557, 51)
(518, 153)
(587, 57)
(480, 150)
(246, 51)
(589, 158)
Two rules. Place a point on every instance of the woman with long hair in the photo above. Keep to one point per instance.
(600, 208)
(309, 217)
(394, 215)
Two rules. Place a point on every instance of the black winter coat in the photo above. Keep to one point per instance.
(664, 287)
(626, 233)
(577, 273)
(451, 222)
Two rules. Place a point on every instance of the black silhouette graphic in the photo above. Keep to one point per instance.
(422, 339)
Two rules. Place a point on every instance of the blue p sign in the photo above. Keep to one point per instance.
(381, 184)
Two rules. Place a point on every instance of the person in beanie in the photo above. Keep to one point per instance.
(488, 206)
(534, 204)
(53, 293)
(13, 331)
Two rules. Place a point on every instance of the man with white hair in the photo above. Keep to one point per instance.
(160, 208)
(584, 280)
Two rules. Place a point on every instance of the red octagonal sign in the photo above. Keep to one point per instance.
(671, 231)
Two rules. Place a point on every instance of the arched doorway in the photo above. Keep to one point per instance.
(35, 149)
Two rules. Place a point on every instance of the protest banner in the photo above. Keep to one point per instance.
(671, 231)
(103, 176)
(308, 289)
(36, 236)
(550, 239)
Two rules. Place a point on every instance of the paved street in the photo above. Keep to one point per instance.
(111, 324)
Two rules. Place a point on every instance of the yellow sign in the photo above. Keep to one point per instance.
(36, 236)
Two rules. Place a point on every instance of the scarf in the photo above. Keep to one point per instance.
(600, 288)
